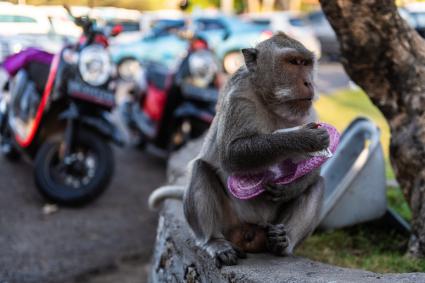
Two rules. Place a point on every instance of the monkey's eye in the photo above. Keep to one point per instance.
(297, 61)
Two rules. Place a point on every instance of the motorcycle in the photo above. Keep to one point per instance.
(56, 112)
(175, 107)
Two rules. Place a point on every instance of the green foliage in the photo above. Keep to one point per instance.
(363, 247)
(398, 203)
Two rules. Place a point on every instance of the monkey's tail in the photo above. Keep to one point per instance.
(162, 193)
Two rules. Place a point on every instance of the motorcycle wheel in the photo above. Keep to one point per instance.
(85, 176)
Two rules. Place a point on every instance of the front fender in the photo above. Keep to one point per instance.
(99, 123)
(104, 127)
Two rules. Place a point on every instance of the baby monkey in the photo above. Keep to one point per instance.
(273, 91)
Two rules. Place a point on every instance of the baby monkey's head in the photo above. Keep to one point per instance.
(281, 69)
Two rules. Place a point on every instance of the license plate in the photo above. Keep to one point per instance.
(91, 94)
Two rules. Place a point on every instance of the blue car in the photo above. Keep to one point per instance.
(160, 45)
(225, 35)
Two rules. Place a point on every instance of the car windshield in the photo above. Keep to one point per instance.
(16, 19)
(316, 17)
(261, 22)
(127, 26)
(297, 22)
(209, 24)
(418, 18)
(165, 27)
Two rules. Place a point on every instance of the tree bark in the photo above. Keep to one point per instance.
(386, 57)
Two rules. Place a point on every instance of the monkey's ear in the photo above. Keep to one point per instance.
(250, 57)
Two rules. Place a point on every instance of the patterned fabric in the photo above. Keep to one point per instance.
(247, 186)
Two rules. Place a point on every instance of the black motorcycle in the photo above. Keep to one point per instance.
(57, 114)
(176, 106)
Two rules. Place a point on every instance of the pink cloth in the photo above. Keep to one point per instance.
(247, 186)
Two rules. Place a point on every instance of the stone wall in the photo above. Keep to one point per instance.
(178, 259)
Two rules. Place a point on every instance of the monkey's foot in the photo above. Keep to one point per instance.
(224, 253)
(277, 240)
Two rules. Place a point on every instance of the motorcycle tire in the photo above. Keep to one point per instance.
(64, 194)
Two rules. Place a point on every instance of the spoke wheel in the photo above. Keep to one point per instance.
(79, 177)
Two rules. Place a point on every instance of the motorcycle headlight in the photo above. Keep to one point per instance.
(202, 67)
(95, 65)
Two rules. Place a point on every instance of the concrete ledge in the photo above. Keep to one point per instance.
(177, 258)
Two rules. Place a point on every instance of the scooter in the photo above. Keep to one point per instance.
(175, 107)
(56, 112)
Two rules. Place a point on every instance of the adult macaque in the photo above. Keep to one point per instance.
(272, 93)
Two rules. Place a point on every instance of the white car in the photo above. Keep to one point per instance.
(23, 19)
(61, 23)
(290, 23)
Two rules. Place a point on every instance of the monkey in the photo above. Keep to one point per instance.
(272, 92)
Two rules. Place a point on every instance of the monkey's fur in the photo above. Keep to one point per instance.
(274, 91)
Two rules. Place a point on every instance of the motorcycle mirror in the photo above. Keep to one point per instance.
(184, 4)
(116, 30)
(68, 10)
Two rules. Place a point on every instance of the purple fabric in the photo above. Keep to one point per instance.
(247, 186)
(17, 61)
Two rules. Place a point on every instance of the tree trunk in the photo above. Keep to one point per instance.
(383, 55)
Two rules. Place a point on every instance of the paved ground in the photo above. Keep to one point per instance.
(331, 77)
(78, 245)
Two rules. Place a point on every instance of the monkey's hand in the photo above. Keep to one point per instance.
(314, 138)
(277, 239)
(281, 193)
(224, 252)
(286, 192)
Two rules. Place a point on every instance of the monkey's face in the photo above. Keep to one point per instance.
(282, 69)
(293, 87)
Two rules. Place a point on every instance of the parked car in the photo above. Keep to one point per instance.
(22, 19)
(61, 23)
(225, 35)
(417, 16)
(325, 34)
(290, 23)
(161, 44)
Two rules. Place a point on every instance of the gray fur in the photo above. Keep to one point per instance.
(163, 193)
(241, 139)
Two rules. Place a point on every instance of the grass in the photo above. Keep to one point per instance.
(398, 203)
(361, 246)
